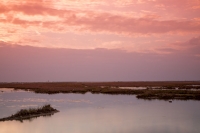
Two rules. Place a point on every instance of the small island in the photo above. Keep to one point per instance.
(30, 113)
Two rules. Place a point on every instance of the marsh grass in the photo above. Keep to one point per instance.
(163, 90)
(31, 113)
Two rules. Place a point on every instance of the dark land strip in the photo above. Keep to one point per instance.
(164, 90)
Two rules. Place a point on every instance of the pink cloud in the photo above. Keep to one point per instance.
(190, 47)
(119, 24)
(102, 21)
(96, 21)
(130, 20)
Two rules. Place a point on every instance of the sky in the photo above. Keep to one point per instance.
(99, 40)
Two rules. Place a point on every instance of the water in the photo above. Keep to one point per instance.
(98, 113)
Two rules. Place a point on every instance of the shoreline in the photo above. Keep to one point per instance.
(163, 90)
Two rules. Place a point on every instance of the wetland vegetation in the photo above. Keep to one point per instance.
(30, 113)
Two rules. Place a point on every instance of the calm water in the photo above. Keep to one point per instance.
(98, 113)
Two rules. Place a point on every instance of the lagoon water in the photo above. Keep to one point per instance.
(99, 113)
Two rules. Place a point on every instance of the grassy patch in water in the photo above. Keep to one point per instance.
(31, 113)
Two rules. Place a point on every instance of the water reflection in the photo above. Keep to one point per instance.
(99, 113)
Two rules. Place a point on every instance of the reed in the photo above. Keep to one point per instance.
(31, 113)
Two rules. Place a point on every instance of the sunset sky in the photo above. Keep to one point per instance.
(99, 40)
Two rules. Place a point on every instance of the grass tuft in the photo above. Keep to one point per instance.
(31, 112)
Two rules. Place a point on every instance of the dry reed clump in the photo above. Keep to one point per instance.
(30, 113)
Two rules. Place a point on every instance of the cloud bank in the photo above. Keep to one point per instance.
(25, 63)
